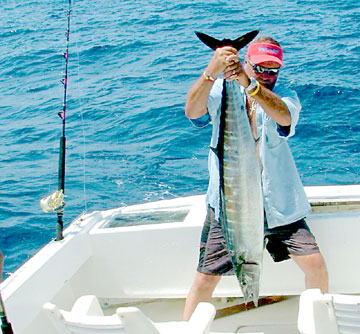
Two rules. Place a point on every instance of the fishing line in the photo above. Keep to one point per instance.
(78, 68)
(84, 156)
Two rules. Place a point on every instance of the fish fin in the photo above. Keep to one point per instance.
(211, 42)
(249, 276)
(243, 40)
(215, 150)
(237, 43)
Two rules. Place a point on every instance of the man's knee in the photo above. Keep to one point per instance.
(310, 262)
(312, 265)
(205, 281)
(318, 264)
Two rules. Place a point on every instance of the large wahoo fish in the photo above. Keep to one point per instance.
(240, 182)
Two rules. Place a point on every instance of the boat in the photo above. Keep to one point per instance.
(145, 256)
(129, 269)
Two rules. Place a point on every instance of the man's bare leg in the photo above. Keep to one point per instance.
(314, 268)
(201, 291)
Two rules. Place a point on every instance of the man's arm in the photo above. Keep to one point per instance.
(225, 60)
(268, 100)
(273, 106)
(197, 98)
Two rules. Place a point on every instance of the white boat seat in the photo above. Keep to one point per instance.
(136, 322)
(87, 305)
(328, 313)
(87, 317)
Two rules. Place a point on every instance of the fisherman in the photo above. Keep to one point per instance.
(273, 114)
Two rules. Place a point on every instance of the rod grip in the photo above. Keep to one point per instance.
(61, 181)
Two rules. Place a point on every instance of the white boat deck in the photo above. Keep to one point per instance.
(278, 318)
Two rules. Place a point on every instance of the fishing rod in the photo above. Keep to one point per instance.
(55, 201)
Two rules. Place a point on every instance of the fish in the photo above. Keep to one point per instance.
(241, 199)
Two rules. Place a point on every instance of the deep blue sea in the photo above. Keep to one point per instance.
(131, 65)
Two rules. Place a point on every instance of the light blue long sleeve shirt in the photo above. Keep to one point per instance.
(284, 197)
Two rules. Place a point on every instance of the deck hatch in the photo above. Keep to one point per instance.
(148, 217)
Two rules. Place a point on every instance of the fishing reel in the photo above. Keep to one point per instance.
(53, 202)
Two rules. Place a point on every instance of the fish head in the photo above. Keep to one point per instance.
(237, 43)
(249, 279)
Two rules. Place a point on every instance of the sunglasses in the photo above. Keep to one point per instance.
(261, 70)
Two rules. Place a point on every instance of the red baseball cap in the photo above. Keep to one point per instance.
(260, 52)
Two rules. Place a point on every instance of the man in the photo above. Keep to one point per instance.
(273, 114)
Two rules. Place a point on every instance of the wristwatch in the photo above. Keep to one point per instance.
(253, 85)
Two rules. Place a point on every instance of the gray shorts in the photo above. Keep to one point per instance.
(280, 242)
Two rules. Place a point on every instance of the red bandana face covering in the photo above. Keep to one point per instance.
(261, 52)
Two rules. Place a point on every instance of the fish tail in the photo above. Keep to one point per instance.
(249, 277)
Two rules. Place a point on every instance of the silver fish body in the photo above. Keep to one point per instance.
(241, 192)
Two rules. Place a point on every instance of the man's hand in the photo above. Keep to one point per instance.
(226, 60)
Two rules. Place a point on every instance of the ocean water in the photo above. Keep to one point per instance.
(131, 65)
